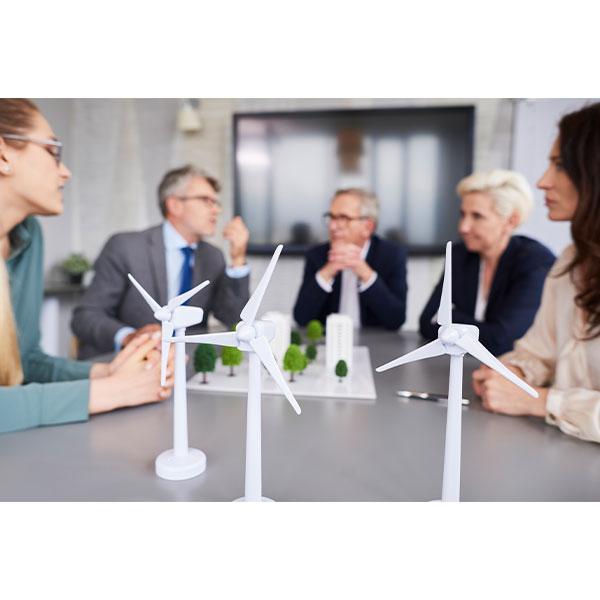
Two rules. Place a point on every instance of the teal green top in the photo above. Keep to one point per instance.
(55, 390)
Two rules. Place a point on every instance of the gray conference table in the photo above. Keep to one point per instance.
(336, 450)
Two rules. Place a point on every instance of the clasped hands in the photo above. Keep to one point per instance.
(500, 395)
(345, 256)
(132, 377)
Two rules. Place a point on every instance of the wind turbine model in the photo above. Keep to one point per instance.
(456, 340)
(252, 336)
(181, 462)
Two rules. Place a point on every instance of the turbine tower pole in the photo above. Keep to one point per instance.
(180, 426)
(253, 483)
(451, 480)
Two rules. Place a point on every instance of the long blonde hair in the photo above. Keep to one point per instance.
(11, 370)
(15, 117)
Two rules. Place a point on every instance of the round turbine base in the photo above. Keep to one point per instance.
(263, 499)
(176, 468)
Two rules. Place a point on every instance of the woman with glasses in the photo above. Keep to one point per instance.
(559, 353)
(497, 277)
(37, 389)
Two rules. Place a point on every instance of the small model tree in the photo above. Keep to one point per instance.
(311, 352)
(341, 369)
(231, 357)
(314, 330)
(304, 364)
(295, 337)
(293, 360)
(205, 360)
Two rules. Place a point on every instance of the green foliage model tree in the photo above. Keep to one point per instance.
(341, 369)
(314, 330)
(295, 337)
(231, 357)
(311, 352)
(205, 360)
(293, 361)
(304, 363)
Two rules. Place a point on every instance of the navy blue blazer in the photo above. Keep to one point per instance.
(383, 304)
(513, 299)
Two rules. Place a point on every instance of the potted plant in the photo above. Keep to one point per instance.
(75, 265)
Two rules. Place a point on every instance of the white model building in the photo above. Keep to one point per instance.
(283, 331)
(339, 341)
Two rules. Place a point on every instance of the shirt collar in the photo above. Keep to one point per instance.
(365, 249)
(20, 238)
(173, 239)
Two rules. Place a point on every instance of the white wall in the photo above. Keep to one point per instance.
(535, 128)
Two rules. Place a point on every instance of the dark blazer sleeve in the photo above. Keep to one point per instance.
(426, 327)
(95, 321)
(383, 304)
(514, 296)
(312, 300)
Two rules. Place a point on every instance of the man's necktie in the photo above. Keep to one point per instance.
(186, 271)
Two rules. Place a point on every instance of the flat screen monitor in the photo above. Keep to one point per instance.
(287, 166)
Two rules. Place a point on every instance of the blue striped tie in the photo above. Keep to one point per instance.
(186, 271)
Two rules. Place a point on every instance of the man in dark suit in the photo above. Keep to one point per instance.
(356, 273)
(167, 260)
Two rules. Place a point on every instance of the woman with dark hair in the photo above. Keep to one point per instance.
(559, 353)
(37, 389)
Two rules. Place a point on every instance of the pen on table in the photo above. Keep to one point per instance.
(426, 396)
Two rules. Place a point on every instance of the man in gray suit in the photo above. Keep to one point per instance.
(167, 260)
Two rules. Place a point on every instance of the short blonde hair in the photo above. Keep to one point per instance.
(509, 191)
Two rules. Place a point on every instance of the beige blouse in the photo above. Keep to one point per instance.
(551, 355)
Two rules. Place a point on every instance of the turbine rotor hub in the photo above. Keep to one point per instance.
(449, 335)
(245, 332)
(162, 314)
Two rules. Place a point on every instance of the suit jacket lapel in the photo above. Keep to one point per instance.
(158, 265)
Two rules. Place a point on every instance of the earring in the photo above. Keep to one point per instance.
(6, 169)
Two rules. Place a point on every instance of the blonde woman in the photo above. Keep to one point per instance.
(497, 277)
(37, 389)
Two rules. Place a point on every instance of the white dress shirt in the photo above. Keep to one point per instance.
(350, 288)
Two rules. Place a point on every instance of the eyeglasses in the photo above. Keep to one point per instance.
(54, 143)
(343, 219)
(209, 201)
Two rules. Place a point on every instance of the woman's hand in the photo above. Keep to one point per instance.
(500, 395)
(135, 379)
(105, 369)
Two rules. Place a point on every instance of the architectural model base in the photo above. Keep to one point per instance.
(263, 499)
(314, 382)
(169, 466)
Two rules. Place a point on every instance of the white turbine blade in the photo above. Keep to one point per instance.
(434, 348)
(179, 300)
(445, 310)
(249, 311)
(167, 332)
(261, 346)
(475, 348)
(226, 338)
(154, 305)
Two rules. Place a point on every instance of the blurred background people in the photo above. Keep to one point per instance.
(167, 260)
(497, 277)
(559, 353)
(37, 389)
(356, 273)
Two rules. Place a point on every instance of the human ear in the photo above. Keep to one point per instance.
(4, 166)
